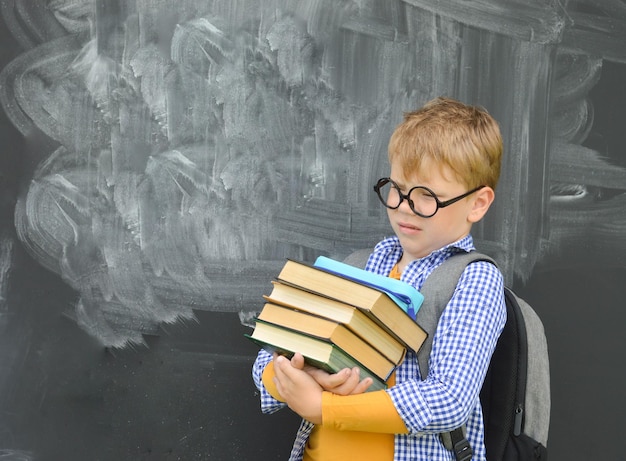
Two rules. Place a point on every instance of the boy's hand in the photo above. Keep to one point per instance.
(299, 389)
(344, 382)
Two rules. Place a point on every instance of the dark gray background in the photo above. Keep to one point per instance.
(161, 159)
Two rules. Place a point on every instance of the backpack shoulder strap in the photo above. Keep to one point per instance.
(359, 258)
(438, 290)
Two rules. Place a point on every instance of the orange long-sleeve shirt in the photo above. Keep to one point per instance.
(360, 426)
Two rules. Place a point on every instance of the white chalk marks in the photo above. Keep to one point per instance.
(197, 146)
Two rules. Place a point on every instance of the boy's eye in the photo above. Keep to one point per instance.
(419, 193)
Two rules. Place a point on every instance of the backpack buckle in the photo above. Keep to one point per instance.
(463, 451)
(457, 442)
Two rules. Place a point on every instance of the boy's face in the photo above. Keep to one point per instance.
(421, 236)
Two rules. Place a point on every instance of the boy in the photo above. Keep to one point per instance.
(445, 164)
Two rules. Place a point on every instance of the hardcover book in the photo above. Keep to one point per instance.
(317, 352)
(332, 332)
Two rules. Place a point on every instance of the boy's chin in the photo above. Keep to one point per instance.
(413, 251)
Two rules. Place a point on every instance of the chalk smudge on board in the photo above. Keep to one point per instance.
(196, 146)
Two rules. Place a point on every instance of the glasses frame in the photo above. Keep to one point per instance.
(383, 181)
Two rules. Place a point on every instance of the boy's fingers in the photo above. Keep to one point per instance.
(336, 382)
(351, 382)
(329, 381)
(343, 382)
(285, 371)
(297, 361)
(362, 386)
(280, 370)
(354, 384)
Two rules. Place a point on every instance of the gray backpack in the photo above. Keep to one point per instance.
(515, 395)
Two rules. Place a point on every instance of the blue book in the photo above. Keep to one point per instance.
(403, 294)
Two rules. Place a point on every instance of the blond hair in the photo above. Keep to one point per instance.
(449, 133)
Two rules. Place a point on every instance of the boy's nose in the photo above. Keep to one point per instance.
(405, 207)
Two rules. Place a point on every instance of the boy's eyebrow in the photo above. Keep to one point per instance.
(399, 183)
(403, 185)
(405, 188)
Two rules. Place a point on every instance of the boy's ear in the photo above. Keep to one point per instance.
(482, 201)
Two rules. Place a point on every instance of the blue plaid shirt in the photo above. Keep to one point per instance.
(462, 346)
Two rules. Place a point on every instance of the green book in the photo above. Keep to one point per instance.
(316, 352)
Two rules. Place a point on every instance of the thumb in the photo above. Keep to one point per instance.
(297, 361)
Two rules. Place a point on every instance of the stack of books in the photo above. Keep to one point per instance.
(338, 316)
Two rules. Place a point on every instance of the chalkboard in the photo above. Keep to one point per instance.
(161, 160)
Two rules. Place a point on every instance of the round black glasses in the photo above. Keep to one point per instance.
(422, 201)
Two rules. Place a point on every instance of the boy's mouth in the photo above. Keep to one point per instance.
(408, 228)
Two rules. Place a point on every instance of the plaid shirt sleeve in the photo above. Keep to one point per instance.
(268, 403)
(462, 347)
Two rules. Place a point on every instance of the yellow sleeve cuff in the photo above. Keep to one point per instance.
(268, 381)
(367, 412)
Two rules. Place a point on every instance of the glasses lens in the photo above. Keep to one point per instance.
(388, 193)
(424, 201)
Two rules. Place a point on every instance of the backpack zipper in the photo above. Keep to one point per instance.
(522, 366)
(518, 418)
